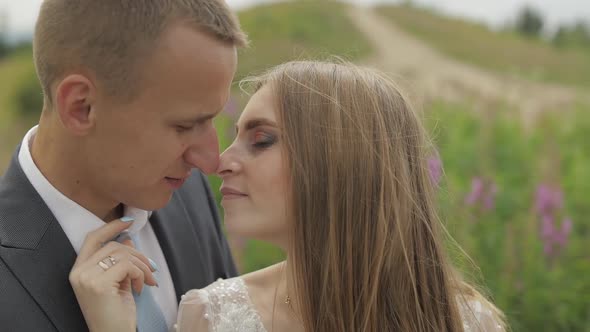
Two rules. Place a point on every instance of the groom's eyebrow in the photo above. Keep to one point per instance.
(202, 118)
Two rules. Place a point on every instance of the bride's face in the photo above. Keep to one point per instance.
(255, 174)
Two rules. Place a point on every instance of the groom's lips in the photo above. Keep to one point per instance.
(175, 183)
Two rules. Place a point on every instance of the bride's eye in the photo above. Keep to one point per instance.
(263, 140)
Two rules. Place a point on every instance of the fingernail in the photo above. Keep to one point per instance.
(127, 219)
(157, 283)
(153, 265)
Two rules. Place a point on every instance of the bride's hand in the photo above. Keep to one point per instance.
(104, 289)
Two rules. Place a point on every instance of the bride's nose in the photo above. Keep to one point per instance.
(229, 163)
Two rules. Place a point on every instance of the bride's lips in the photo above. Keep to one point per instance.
(231, 193)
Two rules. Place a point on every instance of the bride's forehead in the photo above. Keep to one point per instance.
(260, 106)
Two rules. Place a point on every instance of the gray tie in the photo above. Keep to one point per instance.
(149, 315)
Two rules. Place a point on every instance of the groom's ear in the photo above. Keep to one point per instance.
(75, 97)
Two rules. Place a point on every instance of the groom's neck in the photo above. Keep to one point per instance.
(61, 163)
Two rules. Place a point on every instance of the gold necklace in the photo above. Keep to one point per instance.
(287, 300)
(289, 303)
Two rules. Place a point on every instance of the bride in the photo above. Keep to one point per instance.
(329, 164)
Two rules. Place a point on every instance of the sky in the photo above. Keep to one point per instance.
(21, 14)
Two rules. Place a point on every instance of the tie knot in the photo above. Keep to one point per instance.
(125, 235)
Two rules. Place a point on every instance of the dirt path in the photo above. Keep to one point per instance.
(425, 73)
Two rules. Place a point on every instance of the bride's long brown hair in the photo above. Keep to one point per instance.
(367, 251)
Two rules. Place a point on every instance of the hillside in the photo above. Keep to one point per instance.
(430, 71)
(504, 51)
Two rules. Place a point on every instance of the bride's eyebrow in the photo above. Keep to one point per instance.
(253, 123)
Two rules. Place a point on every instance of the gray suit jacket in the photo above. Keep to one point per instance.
(36, 256)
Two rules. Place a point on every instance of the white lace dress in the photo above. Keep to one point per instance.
(225, 306)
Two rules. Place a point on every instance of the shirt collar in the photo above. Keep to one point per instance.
(75, 220)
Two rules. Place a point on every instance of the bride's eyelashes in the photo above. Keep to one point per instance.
(262, 140)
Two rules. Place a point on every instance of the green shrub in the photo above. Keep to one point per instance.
(29, 97)
(537, 291)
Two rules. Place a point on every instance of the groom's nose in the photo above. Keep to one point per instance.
(203, 153)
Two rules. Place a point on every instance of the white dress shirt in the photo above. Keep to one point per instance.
(76, 222)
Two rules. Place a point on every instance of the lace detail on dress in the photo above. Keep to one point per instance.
(477, 317)
(223, 306)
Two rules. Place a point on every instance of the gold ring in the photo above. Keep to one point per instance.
(112, 260)
(103, 265)
(107, 263)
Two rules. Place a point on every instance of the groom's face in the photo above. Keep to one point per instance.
(141, 151)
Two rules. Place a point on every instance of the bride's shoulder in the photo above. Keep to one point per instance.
(223, 290)
(226, 301)
(261, 279)
(479, 315)
(218, 290)
(198, 308)
(224, 305)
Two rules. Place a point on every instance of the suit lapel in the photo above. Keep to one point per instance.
(178, 242)
(36, 250)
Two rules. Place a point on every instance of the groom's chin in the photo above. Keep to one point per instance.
(151, 203)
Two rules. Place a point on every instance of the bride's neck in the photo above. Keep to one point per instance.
(287, 291)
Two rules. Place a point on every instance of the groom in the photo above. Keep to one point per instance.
(131, 89)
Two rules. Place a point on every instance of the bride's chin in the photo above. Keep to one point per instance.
(234, 227)
(242, 231)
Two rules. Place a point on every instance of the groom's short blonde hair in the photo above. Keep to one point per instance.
(112, 37)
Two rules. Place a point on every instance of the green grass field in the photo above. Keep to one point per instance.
(504, 52)
(14, 70)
